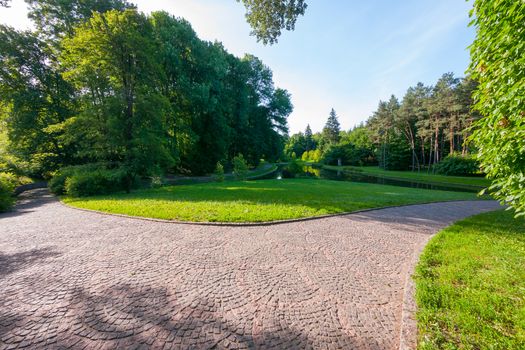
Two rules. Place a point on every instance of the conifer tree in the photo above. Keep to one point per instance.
(309, 141)
(332, 128)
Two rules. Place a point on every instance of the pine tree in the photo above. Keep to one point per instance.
(308, 138)
(332, 128)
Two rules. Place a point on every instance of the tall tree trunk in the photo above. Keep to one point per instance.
(423, 151)
(430, 152)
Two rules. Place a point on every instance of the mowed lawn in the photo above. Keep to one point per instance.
(422, 176)
(257, 201)
(470, 285)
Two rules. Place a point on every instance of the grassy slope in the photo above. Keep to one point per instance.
(263, 200)
(471, 285)
(422, 176)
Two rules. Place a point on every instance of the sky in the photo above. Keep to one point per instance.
(346, 55)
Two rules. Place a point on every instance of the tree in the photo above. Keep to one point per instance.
(497, 64)
(268, 18)
(36, 98)
(308, 139)
(240, 167)
(57, 19)
(112, 63)
(102, 83)
(295, 144)
(332, 128)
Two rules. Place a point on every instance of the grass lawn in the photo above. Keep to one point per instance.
(421, 177)
(470, 285)
(256, 201)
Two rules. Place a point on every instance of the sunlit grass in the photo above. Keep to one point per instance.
(256, 201)
(471, 285)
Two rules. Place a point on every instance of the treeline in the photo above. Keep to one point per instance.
(100, 83)
(418, 132)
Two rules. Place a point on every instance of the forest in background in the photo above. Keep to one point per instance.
(101, 83)
(428, 125)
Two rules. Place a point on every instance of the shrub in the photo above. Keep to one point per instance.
(7, 185)
(90, 179)
(240, 167)
(219, 172)
(458, 165)
(314, 156)
(57, 184)
(101, 181)
(156, 182)
(293, 169)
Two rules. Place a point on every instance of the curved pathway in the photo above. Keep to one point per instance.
(75, 279)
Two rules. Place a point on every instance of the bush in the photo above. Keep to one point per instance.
(293, 169)
(219, 172)
(240, 167)
(7, 185)
(57, 184)
(313, 156)
(458, 165)
(97, 182)
(91, 179)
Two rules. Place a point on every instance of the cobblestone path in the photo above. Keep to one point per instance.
(75, 279)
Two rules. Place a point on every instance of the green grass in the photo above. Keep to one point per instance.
(256, 201)
(415, 176)
(470, 285)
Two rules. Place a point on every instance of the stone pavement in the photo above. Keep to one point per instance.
(75, 279)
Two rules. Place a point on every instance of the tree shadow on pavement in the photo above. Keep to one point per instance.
(28, 201)
(137, 317)
(10, 263)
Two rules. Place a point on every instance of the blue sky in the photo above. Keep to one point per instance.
(343, 54)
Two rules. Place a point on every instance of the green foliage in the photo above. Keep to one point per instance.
(7, 185)
(268, 18)
(456, 164)
(314, 156)
(469, 285)
(101, 82)
(34, 100)
(256, 201)
(127, 123)
(497, 64)
(58, 18)
(396, 155)
(348, 154)
(429, 123)
(97, 182)
(57, 184)
(292, 169)
(332, 129)
(240, 167)
(360, 136)
(219, 172)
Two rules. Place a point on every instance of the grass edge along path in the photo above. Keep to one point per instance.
(415, 176)
(259, 201)
(470, 285)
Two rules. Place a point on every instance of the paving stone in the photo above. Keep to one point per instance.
(75, 279)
